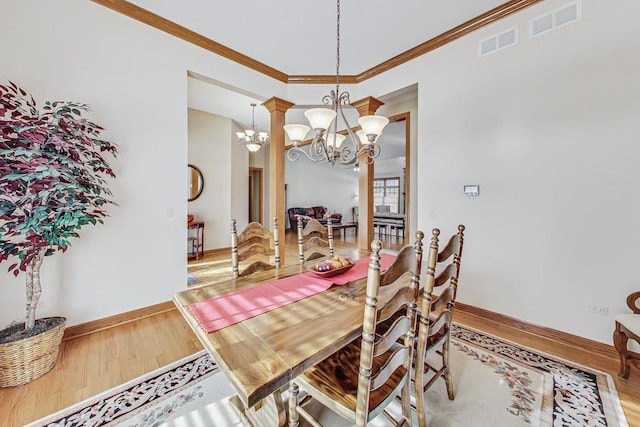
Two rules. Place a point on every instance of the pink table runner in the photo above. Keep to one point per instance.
(226, 310)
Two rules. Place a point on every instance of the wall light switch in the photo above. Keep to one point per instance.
(471, 190)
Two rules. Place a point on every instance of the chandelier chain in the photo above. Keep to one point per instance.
(253, 116)
(338, 48)
(328, 145)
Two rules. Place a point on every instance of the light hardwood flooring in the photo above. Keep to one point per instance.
(93, 363)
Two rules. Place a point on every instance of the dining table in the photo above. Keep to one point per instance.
(260, 355)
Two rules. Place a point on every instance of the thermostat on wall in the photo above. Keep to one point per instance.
(471, 190)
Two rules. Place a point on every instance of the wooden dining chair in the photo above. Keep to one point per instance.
(435, 320)
(311, 243)
(361, 379)
(255, 249)
(628, 328)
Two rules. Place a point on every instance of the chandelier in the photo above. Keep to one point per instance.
(251, 138)
(329, 145)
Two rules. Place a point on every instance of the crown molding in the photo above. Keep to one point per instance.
(169, 27)
(349, 80)
(163, 24)
(455, 33)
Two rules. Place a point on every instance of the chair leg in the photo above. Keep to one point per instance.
(421, 410)
(620, 343)
(447, 371)
(293, 404)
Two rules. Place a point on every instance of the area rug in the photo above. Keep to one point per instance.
(497, 383)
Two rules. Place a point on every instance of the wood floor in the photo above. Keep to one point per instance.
(95, 362)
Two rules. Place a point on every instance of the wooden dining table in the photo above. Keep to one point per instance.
(262, 354)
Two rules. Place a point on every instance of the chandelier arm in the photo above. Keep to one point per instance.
(349, 151)
(318, 151)
(318, 148)
(373, 151)
(293, 154)
(350, 147)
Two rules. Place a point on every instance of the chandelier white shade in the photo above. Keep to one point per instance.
(327, 145)
(372, 126)
(320, 118)
(296, 133)
(251, 138)
(335, 140)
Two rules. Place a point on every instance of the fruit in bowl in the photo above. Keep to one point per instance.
(331, 264)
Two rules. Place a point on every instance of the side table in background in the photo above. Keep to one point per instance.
(195, 239)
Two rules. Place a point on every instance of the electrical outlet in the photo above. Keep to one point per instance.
(598, 309)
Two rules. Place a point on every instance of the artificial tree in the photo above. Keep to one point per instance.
(52, 182)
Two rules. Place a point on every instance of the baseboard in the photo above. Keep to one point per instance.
(218, 251)
(595, 347)
(87, 328)
(542, 331)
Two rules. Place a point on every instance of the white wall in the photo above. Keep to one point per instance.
(135, 79)
(209, 142)
(548, 129)
(310, 184)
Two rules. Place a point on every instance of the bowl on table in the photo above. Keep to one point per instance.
(318, 268)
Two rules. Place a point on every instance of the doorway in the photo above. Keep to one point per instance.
(393, 166)
(256, 194)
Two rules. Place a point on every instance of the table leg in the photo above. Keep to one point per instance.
(269, 412)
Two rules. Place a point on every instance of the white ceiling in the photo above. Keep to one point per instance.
(298, 37)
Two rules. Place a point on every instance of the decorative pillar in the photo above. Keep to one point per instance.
(366, 107)
(277, 108)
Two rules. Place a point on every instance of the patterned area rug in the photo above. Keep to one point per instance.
(497, 383)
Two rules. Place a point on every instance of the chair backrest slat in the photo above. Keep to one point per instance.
(257, 244)
(311, 243)
(382, 354)
(436, 316)
(396, 360)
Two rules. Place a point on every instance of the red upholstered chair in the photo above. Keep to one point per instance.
(628, 328)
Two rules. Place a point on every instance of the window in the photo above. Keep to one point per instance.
(386, 191)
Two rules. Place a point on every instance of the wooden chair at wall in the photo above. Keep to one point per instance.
(628, 328)
(435, 319)
(311, 244)
(255, 249)
(361, 379)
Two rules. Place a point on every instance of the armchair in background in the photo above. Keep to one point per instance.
(628, 328)
(315, 212)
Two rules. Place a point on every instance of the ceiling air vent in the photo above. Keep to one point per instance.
(563, 16)
(499, 41)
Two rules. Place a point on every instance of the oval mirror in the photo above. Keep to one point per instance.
(195, 184)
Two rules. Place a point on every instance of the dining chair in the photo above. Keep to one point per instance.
(628, 328)
(311, 244)
(361, 379)
(254, 249)
(435, 320)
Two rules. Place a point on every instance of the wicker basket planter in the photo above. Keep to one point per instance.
(29, 358)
